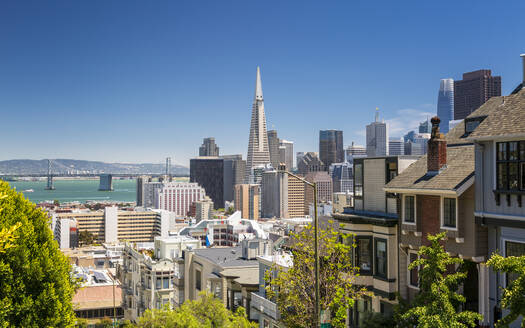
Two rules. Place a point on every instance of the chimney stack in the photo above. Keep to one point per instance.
(437, 148)
(523, 61)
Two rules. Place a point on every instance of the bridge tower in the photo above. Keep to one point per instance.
(50, 185)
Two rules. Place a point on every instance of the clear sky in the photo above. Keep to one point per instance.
(136, 81)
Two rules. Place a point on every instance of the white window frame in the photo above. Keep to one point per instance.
(503, 246)
(410, 251)
(442, 214)
(403, 209)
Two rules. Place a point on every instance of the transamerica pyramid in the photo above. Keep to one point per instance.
(258, 152)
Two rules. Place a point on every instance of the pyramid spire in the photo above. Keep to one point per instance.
(258, 85)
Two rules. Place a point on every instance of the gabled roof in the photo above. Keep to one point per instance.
(458, 172)
(505, 117)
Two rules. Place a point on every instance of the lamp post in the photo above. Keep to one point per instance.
(316, 245)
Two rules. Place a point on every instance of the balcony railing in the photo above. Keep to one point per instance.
(265, 306)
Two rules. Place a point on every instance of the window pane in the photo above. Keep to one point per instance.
(363, 254)
(513, 249)
(381, 258)
(502, 151)
(409, 209)
(449, 212)
(522, 175)
(502, 175)
(513, 176)
(414, 274)
(358, 174)
(513, 151)
(522, 150)
(166, 283)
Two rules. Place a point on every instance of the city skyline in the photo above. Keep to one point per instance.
(127, 80)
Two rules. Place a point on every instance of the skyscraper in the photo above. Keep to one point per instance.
(208, 172)
(445, 107)
(425, 127)
(331, 147)
(273, 146)
(377, 138)
(208, 147)
(396, 146)
(286, 153)
(354, 151)
(473, 91)
(258, 152)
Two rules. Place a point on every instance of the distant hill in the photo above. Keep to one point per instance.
(72, 166)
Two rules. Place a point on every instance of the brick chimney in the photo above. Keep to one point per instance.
(437, 148)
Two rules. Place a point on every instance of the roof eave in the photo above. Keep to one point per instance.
(421, 191)
(497, 137)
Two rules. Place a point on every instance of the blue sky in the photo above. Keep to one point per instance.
(136, 81)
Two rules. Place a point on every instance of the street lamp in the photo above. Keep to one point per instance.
(316, 244)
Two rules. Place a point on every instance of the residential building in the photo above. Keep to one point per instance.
(437, 195)
(296, 197)
(247, 200)
(396, 146)
(273, 146)
(208, 172)
(377, 138)
(286, 153)
(310, 162)
(331, 147)
(208, 147)
(342, 177)
(373, 220)
(353, 151)
(105, 182)
(324, 187)
(425, 126)
(445, 104)
(497, 130)
(274, 194)
(112, 225)
(263, 308)
(230, 273)
(473, 91)
(258, 150)
(157, 281)
(177, 197)
(100, 295)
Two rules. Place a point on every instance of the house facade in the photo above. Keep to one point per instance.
(373, 220)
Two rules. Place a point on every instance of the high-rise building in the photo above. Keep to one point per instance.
(377, 138)
(353, 151)
(412, 148)
(310, 162)
(296, 197)
(342, 177)
(208, 147)
(473, 91)
(247, 200)
(258, 151)
(273, 146)
(234, 171)
(396, 146)
(331, 148)
(445, 106)
(298, 157)
(422, 139)
(324, 187)
(208, 172)
(177, 197)
(274, 194)
(286, 152)
(425, 127)
(410, 136)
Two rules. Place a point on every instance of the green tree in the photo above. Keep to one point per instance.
(437, 302)
(104, 323)
(207, 311)
(295, 285)
(378, 320)
(36, 288)
(514, 295)
(86, 238)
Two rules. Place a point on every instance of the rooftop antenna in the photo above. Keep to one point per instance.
(377, 114)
